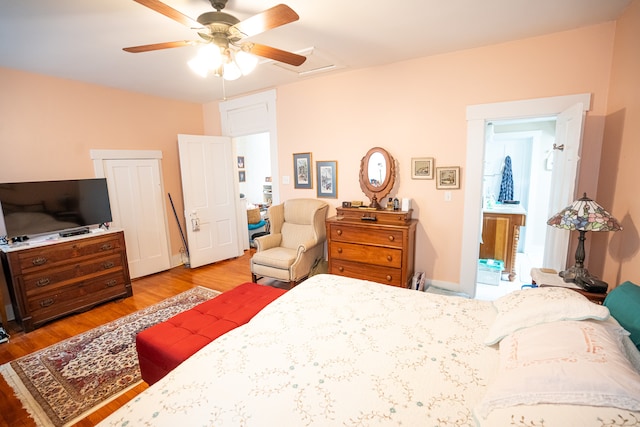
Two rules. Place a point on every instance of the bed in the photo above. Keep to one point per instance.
(336, 351)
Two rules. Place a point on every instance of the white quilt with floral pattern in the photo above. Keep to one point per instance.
(335, 351)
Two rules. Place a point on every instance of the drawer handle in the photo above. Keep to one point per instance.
(111, 283)
(391, 238)
(339, 250)
(340, 269)
(108, 264)
(339, 232)
(106, 247)
(47, 302)
(389, 258)
(389, 278)
(43, 282)
(39, 261)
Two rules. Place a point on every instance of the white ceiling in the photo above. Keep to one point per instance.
(83, 39)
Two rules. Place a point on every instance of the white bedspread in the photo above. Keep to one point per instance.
(337, 352)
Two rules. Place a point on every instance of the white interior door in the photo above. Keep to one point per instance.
(137, 207)
(566, 157)
(210, 194)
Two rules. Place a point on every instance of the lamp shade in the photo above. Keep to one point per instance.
(584, 215)
(227, 62)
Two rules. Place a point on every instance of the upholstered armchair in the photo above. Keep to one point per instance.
(295, 242)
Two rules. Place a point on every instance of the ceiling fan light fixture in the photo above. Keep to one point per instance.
(198, 67)
(231, 71)
(207, 59)
(228, 63)
(246, 61)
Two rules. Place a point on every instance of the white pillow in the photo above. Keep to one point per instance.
(566, 362)
(530, 307)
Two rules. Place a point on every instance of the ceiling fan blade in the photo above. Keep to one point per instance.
(158, 46)
(266, 20)
(169, 12)
(277, 54)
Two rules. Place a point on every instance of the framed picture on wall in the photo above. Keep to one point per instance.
(241, 176)
(302, 170)
(240, 162)
(422, 168)
(327, 179)
(448, 177)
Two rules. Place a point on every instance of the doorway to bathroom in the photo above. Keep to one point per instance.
(516, 183)
(569, 112)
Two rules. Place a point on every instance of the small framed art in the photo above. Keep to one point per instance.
(422, 168)
(448, 177)
(240, 162)
(327, 179)
(241, 176)
(302, 170)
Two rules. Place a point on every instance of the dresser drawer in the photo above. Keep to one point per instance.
(386, 257)
(387, 236)
(374, 273)
(53, 278)
(46, 257)
(58, 277)
(81, 294)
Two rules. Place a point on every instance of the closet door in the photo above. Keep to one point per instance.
(137, 206)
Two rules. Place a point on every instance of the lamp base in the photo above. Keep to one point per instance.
(570, 274)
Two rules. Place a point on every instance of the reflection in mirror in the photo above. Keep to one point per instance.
(377, 175)
(377, 169)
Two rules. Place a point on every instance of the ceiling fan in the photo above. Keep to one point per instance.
(224, 30)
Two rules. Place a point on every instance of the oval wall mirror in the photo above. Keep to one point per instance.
(377, 175)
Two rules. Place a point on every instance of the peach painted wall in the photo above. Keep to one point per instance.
(618, 186)
(417, 109)
(48, 125)
(414, 109)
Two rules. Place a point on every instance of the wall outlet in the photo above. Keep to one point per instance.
(447, 196)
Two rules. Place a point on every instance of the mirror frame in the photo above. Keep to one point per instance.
(380, 192)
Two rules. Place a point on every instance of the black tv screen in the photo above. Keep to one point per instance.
(31, 208)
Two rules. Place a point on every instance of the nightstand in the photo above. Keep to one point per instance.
(549, 277)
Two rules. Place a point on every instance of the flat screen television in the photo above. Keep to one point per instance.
(34, 208)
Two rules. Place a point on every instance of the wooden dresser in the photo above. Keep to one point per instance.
(51, 279)
(373, 245)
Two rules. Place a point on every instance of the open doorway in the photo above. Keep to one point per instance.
(518, 155)
(254, 168)
(567, 125)
(243, 117)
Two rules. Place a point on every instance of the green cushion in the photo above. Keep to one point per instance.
(624, 305)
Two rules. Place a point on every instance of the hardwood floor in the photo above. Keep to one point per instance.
(221, 276)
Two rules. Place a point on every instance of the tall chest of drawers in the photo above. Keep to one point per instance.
(50, 280)
(372, 245)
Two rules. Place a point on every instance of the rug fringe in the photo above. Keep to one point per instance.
(28, 403)
(101, 404)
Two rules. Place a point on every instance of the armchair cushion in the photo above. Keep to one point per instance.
(295, 243)
(278, 257)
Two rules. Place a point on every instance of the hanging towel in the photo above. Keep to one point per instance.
(506, 186)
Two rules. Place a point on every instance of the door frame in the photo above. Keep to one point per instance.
(249, 115)
(477, 118)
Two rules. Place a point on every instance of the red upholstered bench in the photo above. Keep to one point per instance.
(164, 346)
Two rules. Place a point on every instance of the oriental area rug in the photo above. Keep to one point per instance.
(66, 381)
